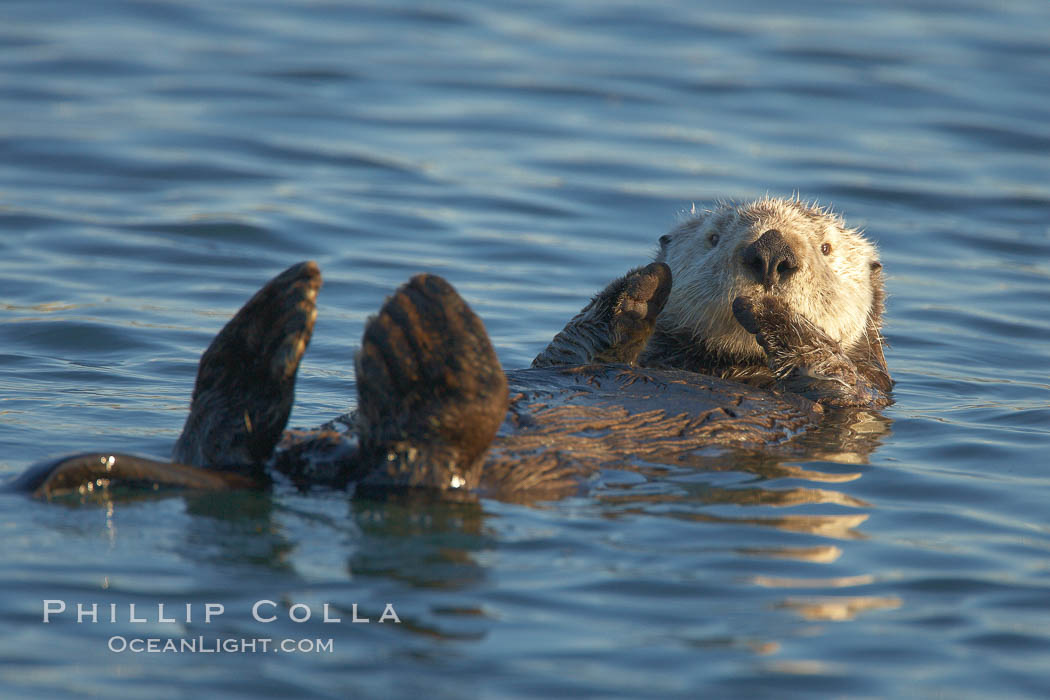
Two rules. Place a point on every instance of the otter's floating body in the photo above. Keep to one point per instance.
(568, 422)
(608, 412)
(749, 319)
(564, 423)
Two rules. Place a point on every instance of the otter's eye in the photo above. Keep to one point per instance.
(713, 239)
(826, 248)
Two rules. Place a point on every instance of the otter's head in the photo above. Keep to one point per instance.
(803, 254)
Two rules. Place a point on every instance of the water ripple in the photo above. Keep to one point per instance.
(160, 160)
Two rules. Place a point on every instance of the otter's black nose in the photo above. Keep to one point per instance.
(770, 259)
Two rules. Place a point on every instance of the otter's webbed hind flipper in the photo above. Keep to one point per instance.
(241, 402)
(246, 379)
(99, 472)
(808, 362)
(431, 392)
(616, 325)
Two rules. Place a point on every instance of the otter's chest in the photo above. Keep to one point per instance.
(573, 419)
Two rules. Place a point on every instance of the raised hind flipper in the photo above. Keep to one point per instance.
(97, 472)
(246, 379)
(805, 360)
(431, 390)
(615, 326)
(244, 392)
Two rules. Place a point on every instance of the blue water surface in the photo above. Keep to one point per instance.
(160, 160)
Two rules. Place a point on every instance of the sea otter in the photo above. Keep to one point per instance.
(770, 292)
(750, 319)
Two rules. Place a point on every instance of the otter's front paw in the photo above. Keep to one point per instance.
(639, 298)
(790, 341)
(615, 326)
(794, 346)
(767, 318)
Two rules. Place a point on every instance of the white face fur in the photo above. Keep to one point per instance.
(831, 287)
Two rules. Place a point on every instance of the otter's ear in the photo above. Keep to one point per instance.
(664, 240)
(876, 266)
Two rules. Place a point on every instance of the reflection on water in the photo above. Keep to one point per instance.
(833, 526)
(838, 609)
(825, 554)
(421, 541)
(835, 582)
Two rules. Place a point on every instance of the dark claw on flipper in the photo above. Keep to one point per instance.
(431, 390)
(246, 379)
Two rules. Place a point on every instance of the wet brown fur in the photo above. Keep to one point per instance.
(815, 330)
(245, 383)
(434, 409)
